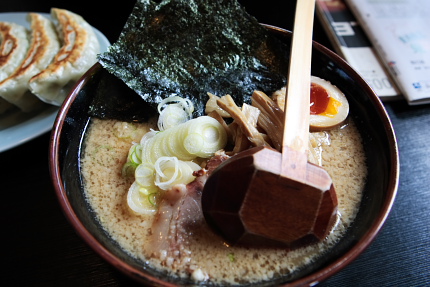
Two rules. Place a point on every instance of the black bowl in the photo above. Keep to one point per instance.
(369, 114)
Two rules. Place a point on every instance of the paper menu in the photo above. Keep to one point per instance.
(351, 43)
(400, 33)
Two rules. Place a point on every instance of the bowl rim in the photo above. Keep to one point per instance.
(311, 279)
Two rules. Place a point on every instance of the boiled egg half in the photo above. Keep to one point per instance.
(328, 105)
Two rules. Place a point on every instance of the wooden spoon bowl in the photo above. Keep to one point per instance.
(247, 206)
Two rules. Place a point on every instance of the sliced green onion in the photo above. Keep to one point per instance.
(133, 159)
(145, 174)
(148, 136)
(172, 116)
(162, 159)
(139, 201)
(152, 198)
(194, 143)
(199, 137)
(174, 111)
(167, 169)
(186, 103)
(171, 171)
(128, 169)
(136, 154)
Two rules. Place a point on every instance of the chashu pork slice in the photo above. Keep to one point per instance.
(77, 54)
(44, 46)
(13, 48)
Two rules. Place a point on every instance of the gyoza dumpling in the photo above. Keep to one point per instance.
(77, 54)
(44, 46)
(13, 48)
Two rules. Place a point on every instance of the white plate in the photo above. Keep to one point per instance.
(16, 127)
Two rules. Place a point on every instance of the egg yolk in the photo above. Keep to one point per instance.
(321, 102)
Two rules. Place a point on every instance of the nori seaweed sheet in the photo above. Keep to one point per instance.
(191, 47)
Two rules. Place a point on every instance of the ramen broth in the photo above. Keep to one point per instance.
(203, 255)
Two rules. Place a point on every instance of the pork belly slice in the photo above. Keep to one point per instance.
(179, 215)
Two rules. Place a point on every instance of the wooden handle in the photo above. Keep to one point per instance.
(296, 122)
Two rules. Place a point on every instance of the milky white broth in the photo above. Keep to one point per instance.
(205, 256)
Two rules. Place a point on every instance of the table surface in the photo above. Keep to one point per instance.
(40, 247)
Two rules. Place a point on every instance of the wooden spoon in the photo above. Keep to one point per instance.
(261, 197)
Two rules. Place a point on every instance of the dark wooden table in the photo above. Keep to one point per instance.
(40, 247)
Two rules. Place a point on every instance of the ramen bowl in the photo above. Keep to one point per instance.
(68, 142)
